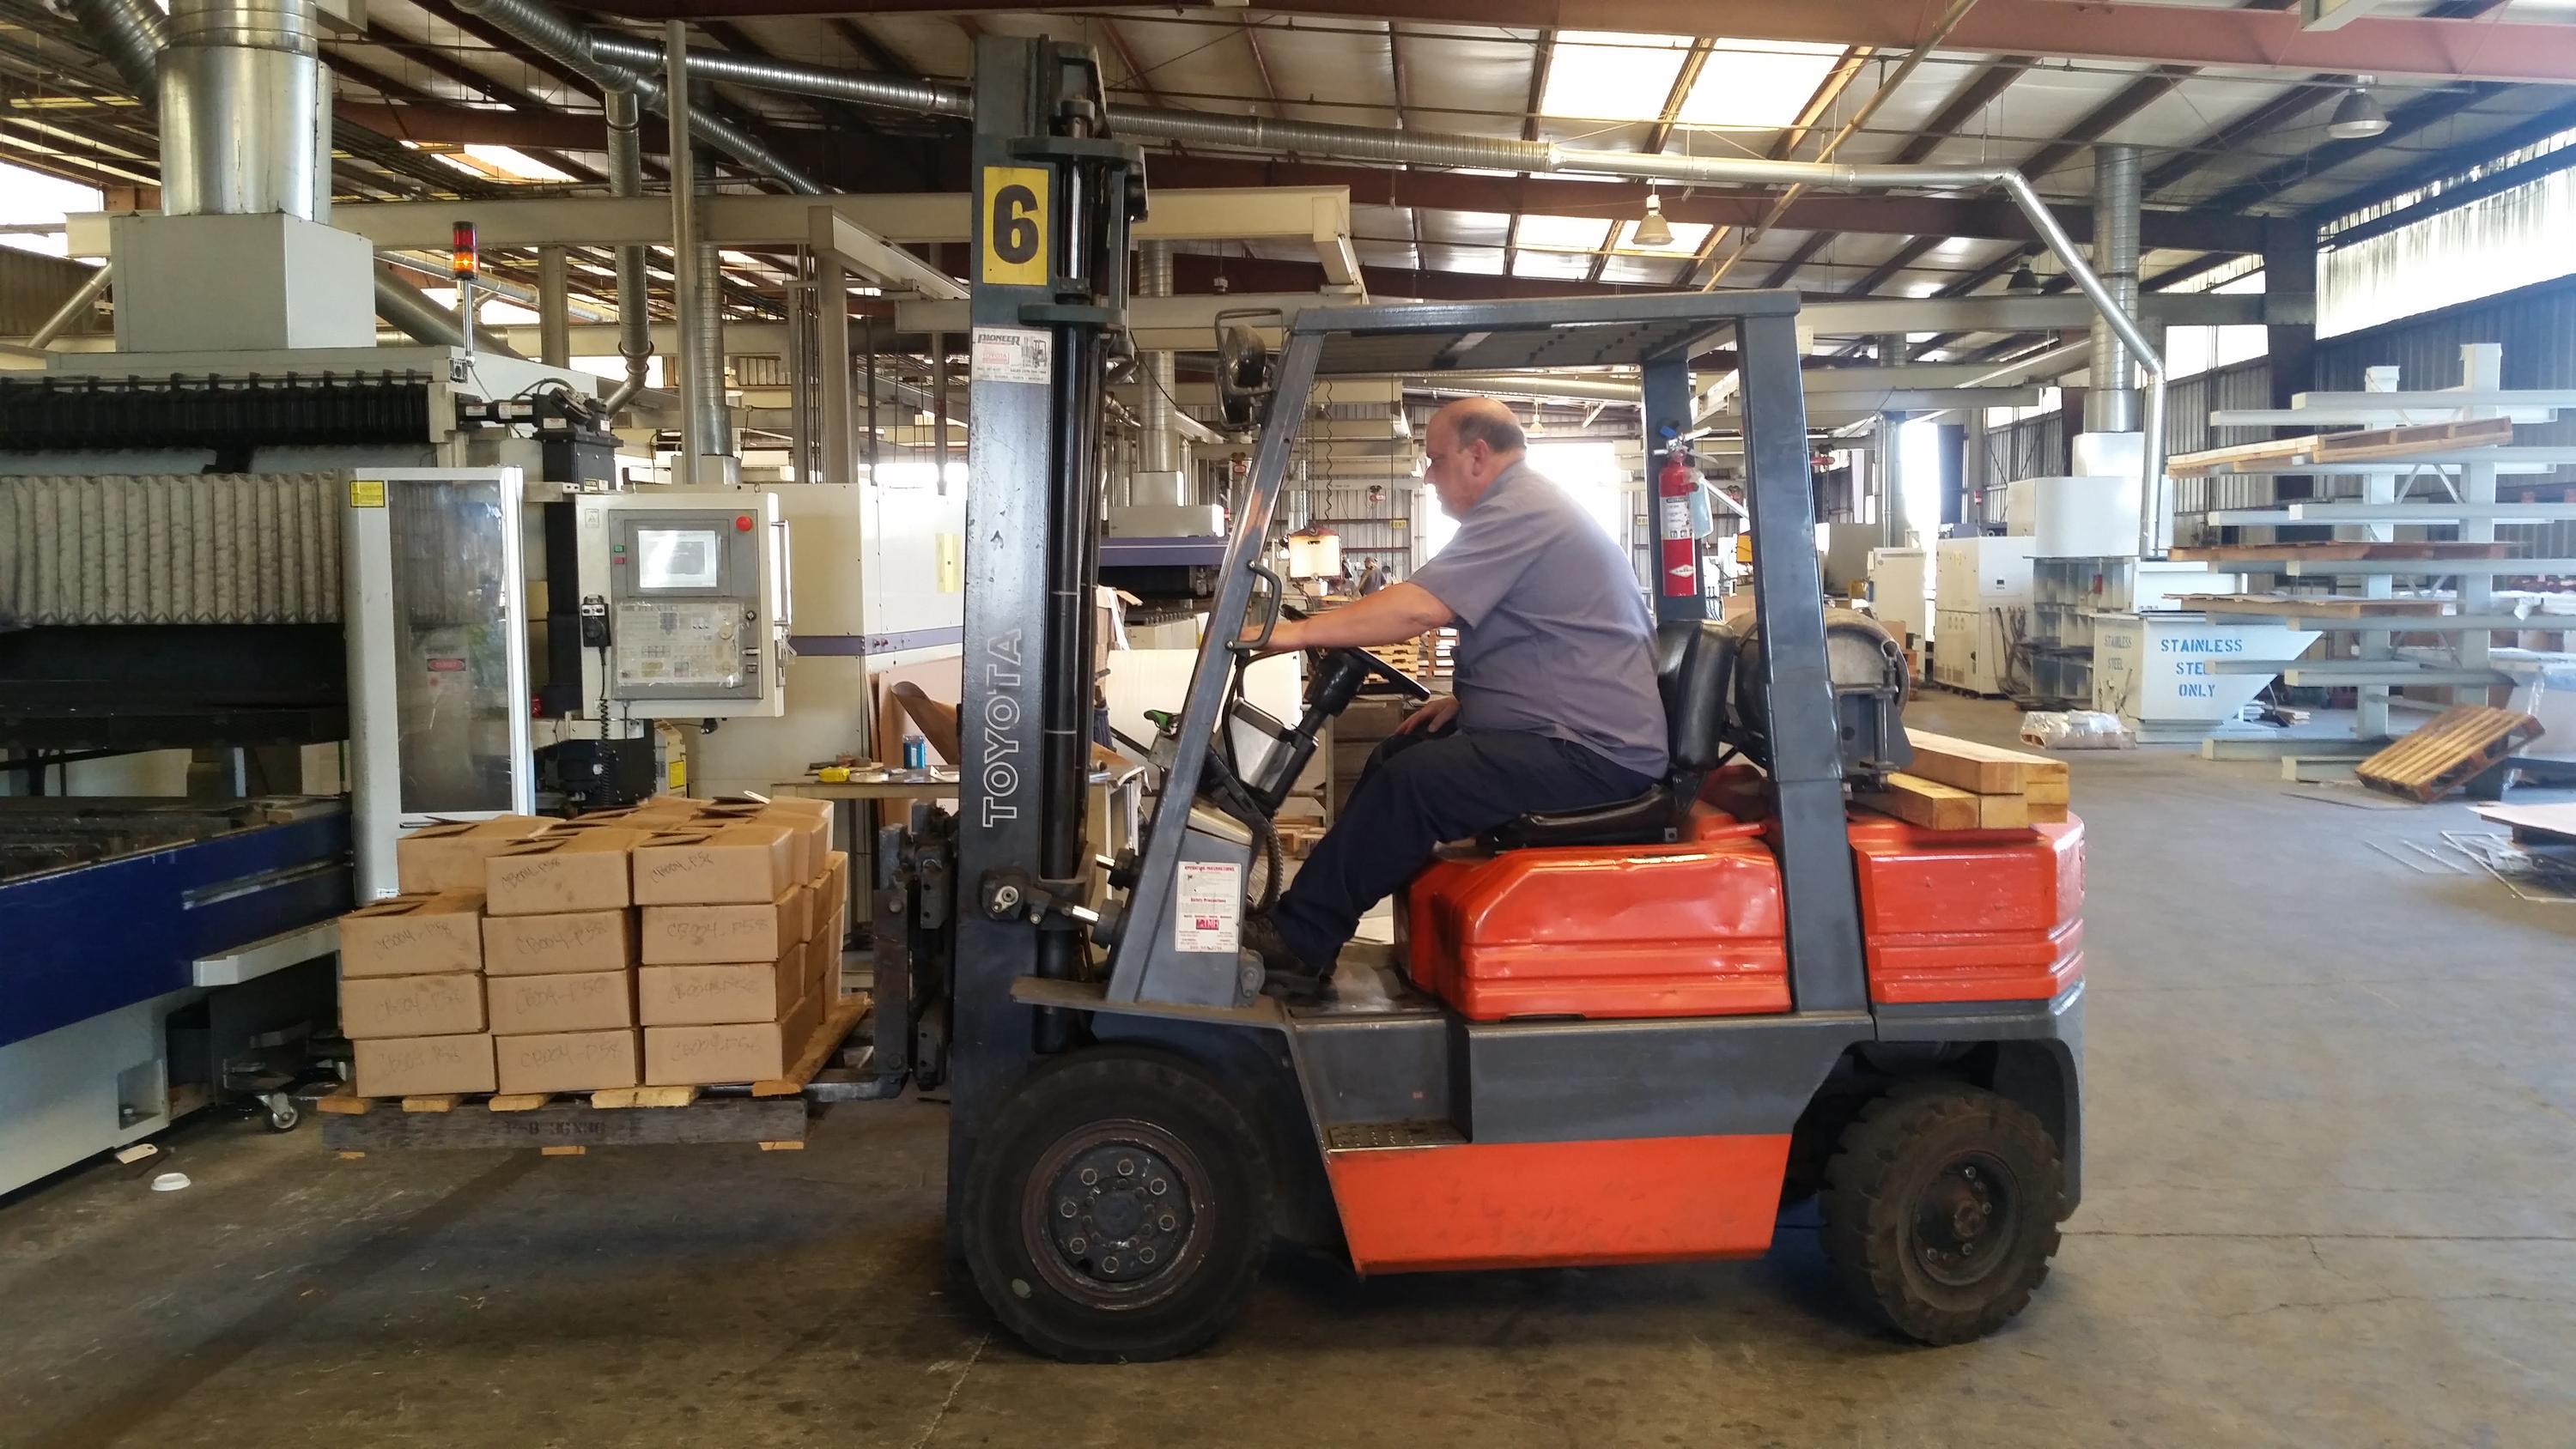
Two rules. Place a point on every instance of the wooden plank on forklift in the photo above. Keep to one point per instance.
(1981, 769)
(1927, 803)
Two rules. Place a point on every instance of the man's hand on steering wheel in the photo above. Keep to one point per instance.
(1431, 718)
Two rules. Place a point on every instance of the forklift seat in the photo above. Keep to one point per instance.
(1695, 670)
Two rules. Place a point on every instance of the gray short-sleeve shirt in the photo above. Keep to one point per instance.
(1553, 633)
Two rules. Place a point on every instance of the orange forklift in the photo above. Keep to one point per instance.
(1632, 1034)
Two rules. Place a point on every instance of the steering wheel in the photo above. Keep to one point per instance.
(1374, 664)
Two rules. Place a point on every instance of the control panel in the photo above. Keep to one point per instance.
(683, 603)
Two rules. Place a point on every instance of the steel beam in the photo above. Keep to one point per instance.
(1320, 214)
(834, 238)
(2123, 30)
(1848, 406)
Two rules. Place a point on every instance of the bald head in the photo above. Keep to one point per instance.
(1468, 445)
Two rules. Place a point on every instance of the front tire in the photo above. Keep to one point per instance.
(1119, 1208)
(1941, 1208)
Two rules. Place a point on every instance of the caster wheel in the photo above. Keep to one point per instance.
(1118, 1209)
(283, 1114)
(1941, 1207)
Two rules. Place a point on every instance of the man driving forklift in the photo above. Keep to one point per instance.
(1555, 705)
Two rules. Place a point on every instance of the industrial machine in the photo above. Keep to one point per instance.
(245, 536)
(683, 603)
(1981, 598)
(1620, 1035)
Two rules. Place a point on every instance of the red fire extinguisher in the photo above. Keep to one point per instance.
(1673, 489)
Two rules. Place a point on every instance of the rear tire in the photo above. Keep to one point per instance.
(1119, 1208)
(1941, 1208)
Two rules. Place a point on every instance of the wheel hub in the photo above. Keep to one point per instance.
(1118, 1212)
(1965, 1219)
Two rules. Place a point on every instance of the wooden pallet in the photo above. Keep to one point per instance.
(1297, 837)
(565, 1124)
(2447, 752)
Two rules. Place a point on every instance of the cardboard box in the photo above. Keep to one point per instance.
(443, 1005)
(678, 1056)
(581, 1001)
(413, 936)
(662, 812)
(836, 878)
(708, 935)
(414, 1066)
(746, 864)
(813, 834)
(558, 945)
(569, 1061)
(804, 908)
(562, 870)
(823, 963)
(449, 857)
(714, 995)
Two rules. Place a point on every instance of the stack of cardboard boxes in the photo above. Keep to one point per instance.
(559, 961)
(411, 968)
(736, 908)
(510, 963)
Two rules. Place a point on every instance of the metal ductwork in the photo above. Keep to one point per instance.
(556, 36)
(244, 118)
(2111, 404)
(423, 320)
(634, 301)
(1158, 449)
(595, 49)
(131, 34)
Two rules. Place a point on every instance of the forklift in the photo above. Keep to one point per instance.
(1632, 1034)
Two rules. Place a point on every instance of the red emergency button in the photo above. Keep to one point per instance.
(742, 523)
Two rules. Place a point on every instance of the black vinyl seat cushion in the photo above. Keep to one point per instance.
(1695, 670)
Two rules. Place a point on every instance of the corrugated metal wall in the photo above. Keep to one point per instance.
(2187, 407)
(32, 285)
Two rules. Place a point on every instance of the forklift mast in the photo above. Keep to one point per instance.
(1053, 203)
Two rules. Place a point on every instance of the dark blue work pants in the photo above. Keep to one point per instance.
(1417, 791)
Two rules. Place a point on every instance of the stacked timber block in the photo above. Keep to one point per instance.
(1959, 784)
(741, 941)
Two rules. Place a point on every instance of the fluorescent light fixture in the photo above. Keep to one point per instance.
(1762, 84)
(1563, 233)
(512, 164)
(1598, 75)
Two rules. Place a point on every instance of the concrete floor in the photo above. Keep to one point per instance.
(2331, 1195)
